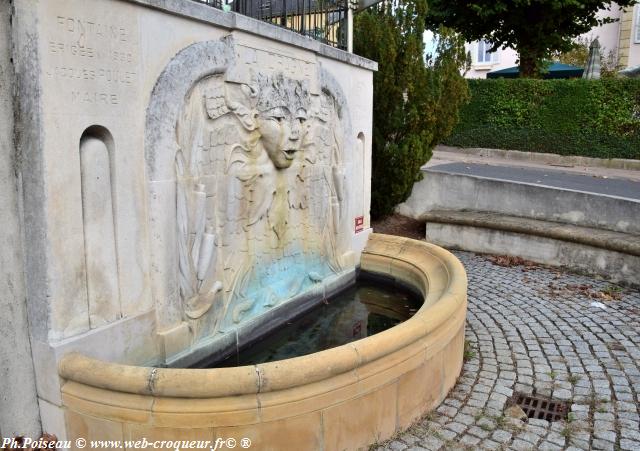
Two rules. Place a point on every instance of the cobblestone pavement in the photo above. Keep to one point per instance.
(535, 330)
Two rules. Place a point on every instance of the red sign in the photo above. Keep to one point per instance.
(359, 224)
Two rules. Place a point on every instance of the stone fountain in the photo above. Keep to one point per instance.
(188, 180)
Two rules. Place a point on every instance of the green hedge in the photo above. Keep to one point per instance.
(594, 118)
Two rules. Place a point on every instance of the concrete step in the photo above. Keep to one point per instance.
(526, 193)
(613, 255)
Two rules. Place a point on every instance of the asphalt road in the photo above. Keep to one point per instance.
(556, 178)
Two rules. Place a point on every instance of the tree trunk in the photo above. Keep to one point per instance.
(529, 65)
(531, 59)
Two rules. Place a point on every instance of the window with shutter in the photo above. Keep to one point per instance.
(483, 55)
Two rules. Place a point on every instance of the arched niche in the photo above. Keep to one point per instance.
(96, 149)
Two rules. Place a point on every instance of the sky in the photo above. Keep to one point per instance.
(430, 42)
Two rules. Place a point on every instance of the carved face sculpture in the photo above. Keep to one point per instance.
(281, 132)
(282, 113)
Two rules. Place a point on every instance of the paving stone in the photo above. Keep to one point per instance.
(409, 439)
(501, 436)
(456, 427)
(529, 437)
(432, 443)
(562, 394)
(396, 446)
(607, 416)
(538, 422)
(602, 445)
(472, 411)
(469, 440)
(548, 446)
(579, 408)
(456, 404)
(447, 410)
(521, 445)
(529, 338)
(467, 420)
(490, 445)
(556, 439)
(446, 434)
(476, 403)
(478, 432)
(603, 426)
(609, 436)
(486, 423)
(580, 444)
(625, 406)
(627, 444)
(630, 434)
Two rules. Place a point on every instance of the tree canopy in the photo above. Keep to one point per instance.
(535, 28)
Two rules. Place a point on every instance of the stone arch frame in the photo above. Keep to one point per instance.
(191, 64)
(185, 69)
(174, 84)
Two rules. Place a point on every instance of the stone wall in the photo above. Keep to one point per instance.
(186, 172)
(19, 413)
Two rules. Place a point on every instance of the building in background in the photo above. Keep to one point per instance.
(621, 37)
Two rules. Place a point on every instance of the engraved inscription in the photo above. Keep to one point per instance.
(89, 28)
(93, 61)
(101, 98)
(102, 75)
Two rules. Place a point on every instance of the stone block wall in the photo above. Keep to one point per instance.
(183, 171)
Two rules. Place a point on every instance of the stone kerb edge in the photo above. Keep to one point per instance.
(594, 205)
(223, 382)
(545, 158)
(588, 236)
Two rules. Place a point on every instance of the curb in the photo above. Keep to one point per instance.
(551, 159)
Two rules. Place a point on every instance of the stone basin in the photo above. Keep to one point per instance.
(346, 397)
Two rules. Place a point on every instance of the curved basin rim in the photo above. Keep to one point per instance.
(171, 382)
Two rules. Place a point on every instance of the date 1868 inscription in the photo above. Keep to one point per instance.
(93, 61)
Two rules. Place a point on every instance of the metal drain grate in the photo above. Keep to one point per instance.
(541, 408)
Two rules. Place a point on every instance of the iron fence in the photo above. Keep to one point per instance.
(322, 20)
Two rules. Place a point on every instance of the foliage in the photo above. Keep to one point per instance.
(535, 28)
(416, 102)
(579, 54)
(593, 118)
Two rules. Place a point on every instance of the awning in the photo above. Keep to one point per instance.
(554, 70)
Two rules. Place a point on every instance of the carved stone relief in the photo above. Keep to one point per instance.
(260, 198)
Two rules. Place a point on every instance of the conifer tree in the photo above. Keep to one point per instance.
(416, 98)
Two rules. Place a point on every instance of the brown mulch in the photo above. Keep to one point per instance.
(400, 226)
(610, 293)
(508, 261)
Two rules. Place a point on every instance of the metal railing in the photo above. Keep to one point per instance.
(323, 20)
